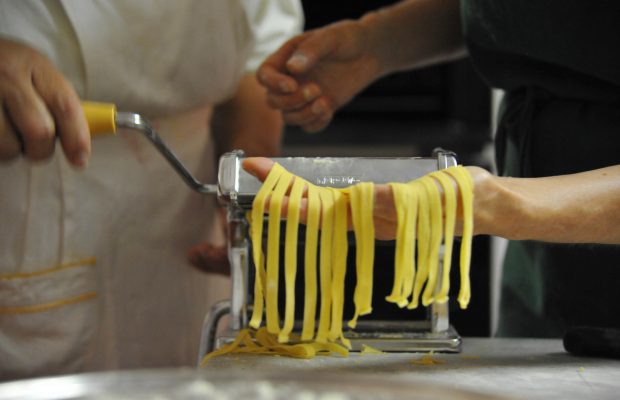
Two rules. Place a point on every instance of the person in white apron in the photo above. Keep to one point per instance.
(93, 262)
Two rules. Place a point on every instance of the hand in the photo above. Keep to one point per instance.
(385, 218)
(38, 104)
(314, 74)
(384, 214)
(212, 258)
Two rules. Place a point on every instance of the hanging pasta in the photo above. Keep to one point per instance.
(310, 291)
(426, 217)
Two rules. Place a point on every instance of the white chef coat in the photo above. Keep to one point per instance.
(93, 269)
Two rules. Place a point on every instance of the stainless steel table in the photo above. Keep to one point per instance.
(513, 368)
(491, 369)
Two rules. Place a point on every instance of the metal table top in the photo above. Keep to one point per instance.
(492, 369)
(513, 368)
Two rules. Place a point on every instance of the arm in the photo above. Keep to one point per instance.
(313, 75)
(575, 208)
(415, 33)
(246, 122)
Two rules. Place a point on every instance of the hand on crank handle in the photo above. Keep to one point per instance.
(39, 105)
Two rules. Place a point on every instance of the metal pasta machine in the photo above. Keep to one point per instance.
(237, 189)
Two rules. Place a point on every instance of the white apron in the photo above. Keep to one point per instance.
(93, 269)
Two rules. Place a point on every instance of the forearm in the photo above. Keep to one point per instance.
(575, 208)
(415, 33)
(246, 122)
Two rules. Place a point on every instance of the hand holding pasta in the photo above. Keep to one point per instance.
(421, 213)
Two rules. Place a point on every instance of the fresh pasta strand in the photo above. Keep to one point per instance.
(435, 238)
(290, 257)
(273, 252)
(354, 198)
(361, 197)
(399, 191)
(449, 223)
(465, 185)
(409, 238)
(368, 244)
(264, 343)
(325, 262)
(256, 235)
(423, 243)
(310, 291)
(339, 266)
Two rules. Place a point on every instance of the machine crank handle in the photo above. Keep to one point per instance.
(103, 119)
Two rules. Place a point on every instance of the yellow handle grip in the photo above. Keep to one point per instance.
(101, 118)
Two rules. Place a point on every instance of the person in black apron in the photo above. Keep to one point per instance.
(560, 68)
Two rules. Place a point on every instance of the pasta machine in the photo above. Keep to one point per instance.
(236, 189)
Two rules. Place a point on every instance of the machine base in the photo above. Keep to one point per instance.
(410, 341)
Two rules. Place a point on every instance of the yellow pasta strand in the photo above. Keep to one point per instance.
(325, 263)
(449, 222)
(339, 266)
(290, 257)
(312, 234)
(273, 252)
(361, 196)
(265, 343)
(354, 198)
(465, 184)
(368, 244)
(399, 191)
(256, 235)
(435, 241)
(409, 238)
(423, 243)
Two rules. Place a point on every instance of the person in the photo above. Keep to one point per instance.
(557, 142)
(94, 237)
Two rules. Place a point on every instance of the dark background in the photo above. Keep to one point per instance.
(406, 115)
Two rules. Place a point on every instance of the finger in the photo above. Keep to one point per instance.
(10, 146)
(31, 119)
(273, 74)
(303, 208)
(275, 81)
(294, 101)
(64, 105)
(318, 112)
(309, 51)
(316, 126)
(384, 202)
(258, 166)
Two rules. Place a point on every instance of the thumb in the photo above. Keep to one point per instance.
(315, 46)
(258, 166)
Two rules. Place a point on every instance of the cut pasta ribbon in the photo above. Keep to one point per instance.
(426, 211)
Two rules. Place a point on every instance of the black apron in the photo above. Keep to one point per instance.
(559, 63)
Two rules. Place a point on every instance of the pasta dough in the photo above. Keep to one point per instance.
(425, 209)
